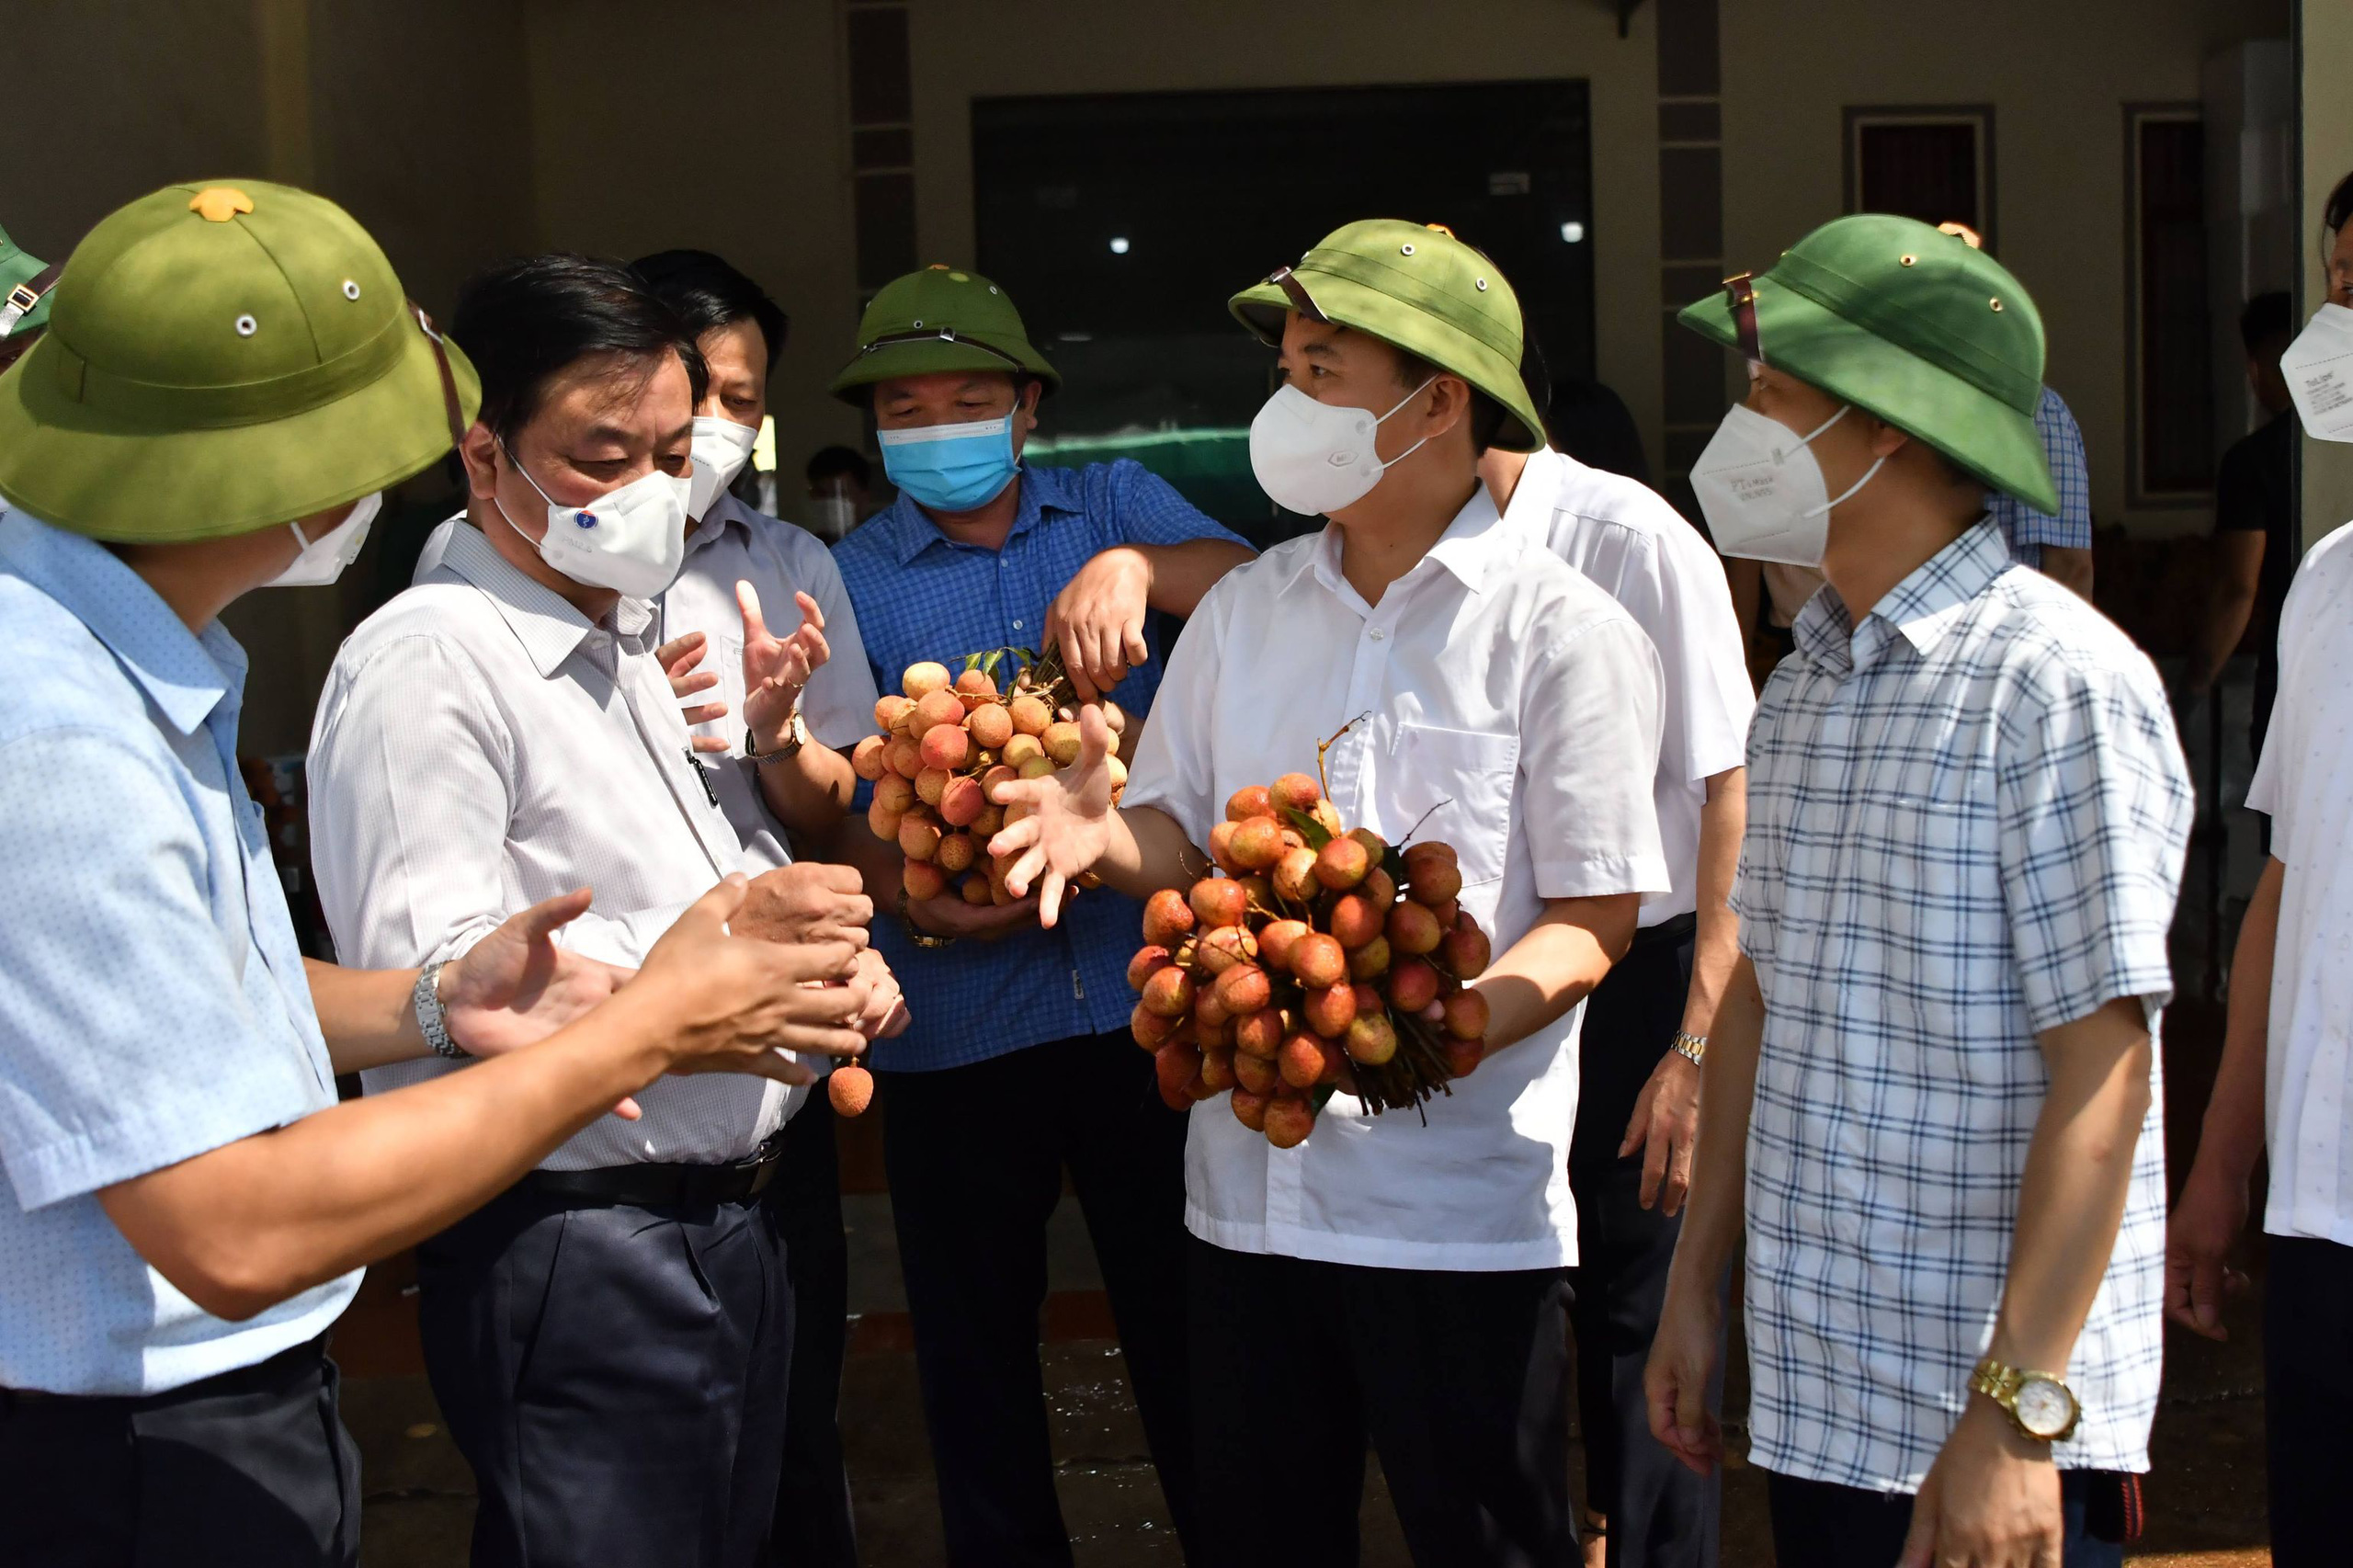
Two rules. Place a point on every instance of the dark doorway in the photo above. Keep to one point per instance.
(1121, 224)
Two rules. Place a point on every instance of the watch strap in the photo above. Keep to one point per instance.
(431, 1018)
(796, 735)
(1692, 1048)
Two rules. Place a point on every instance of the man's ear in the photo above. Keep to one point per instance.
(1445, 403)
(1886, 439)
(479, 452)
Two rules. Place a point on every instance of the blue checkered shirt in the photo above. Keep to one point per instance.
(922, 596)
(2028, 530)
(1966, 823)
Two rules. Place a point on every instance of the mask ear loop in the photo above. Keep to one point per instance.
(1417, 446)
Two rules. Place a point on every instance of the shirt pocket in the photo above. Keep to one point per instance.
(1924, 878)
(1462, 780)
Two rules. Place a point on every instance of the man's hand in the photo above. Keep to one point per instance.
(886, 1015)
(806, 902)
(949, 915)
(1068, 824)
(2203, 1228)
(734, 1001)
(1664, 1125)
(516, 987)
(1674, 1380)
(1990, 1501)
(680, 658)
(776, 669)
(1098, 621)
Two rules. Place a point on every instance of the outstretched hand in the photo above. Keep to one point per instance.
(515, 986)
(681, 658)
(1067, 823)
(1098, 619)
(775, 668)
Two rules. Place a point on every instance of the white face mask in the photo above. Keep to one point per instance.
(833, 516)
(632, 538)
(2318, 368)
(1763, 492)
(720, 448)
(1317, 458)
(323, 559)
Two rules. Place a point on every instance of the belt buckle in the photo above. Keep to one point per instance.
(24, 298)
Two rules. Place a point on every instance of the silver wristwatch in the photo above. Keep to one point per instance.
(1692, 1048)
(430, 1016)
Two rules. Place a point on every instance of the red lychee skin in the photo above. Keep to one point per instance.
(962, 802)
(991, 725)
(956, 853)
(1413, 984)
(1206, 1011)
(1257, 891)
(1166, 918)
(1448, 914)
(1175, 1064)
(869, 760)
(1294, 876)
(1295, 792)
(1375, 846)
(1355, 920)
(1288, 1121)
(1257, 1073)
(1305, 1060)
(1463, 1056)
(1431, 878)
(1377, 887)
(1371, 960)
(895, 793)
(1030, 715)
(1256, 843)
(851, 1088)
(881, 821)
(1217, 1070)
(1151, 1030)
(1331, 1009)
(1369, 999)
(889, 711)
(1260, 1033)
(905, 756)
(1466, 1015)
(1341, 864)
(947, 746)
(1222, 849)
(918, 840)
(1218, 901)
(1250, 801)
(1464, 951)
(1275, 938)
(995, 776)
(1219, 951)
(976, 891)
(1140, 967)
(1317, 958)
(1169, 993)
(1412, 930)
(921, 880)
(1250, 1107)
(941, 707)
(1244, 989)
(1372, 1040)
(1211, 1037)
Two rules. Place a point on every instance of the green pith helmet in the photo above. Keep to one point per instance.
(1418, 288)
(224, 357)
(1912, 325)
(941, 318)
(24, 291)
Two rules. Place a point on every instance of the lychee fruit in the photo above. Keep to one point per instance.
(947, 746)
(1412, 928)
(1463, 1056)
(1413, 984)
(976, 682)
(1377, 887)
(1256, 843)
(1304, 1060)
(1317, 958)
(921, 680)
(1295, 792)
(881, 821)
(939, 708)
(1175, 1064)
(1218, 901)
(1036, 767)
(1221, 848)
(1371, 1038)
(1355, 920)
(1217, 1070)
(1020, 749)
(905, 755)
(1464, 950)
(870, 759)
(1431, 878)
(1341, 864)
(1244, 989)
(1220, 948)
(1030, 715)
(962, 802)
(1294, 876)
(991, 725)
(889, 711)
(1276, 939)
(931, 784)
(1249, 1106)
(1147, 960)
(1466, 1015)
(1062, 742)
(851, 1088)
(1250, 801)
(918, 839)
(976, 889)
(1166, 918)
(1258, 1073)
(1260, 1033)
(923, 880)
(1330, 1010)
(1151, 1029)
(1169, 993)
(956, 852)
(1287, 1122)
(1369, 961)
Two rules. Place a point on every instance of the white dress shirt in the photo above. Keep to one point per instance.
(1640, 552)
(1508, 706)
(482, 746)
(2304, 784)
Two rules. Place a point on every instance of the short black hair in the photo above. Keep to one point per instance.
(708, 293)
(523, 321)
(2266, 316)
(829, 462)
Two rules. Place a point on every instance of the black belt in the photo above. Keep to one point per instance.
(1682, 928)
(268, 1375)
(662, 1187)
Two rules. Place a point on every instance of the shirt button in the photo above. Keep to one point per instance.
(1377, 634)
(1017, 626)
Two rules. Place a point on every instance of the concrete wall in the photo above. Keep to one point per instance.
(2326, 54)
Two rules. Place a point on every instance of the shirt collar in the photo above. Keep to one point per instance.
(1921, 609)
(1474, 547)
(724, 512)
(549, 626)
(185, 675)
(1534, 497)
(911, 531)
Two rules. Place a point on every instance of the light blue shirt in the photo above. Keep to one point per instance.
(152, 1003)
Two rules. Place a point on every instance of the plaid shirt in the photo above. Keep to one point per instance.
(1966, 824)
(921, 595)
(2027, 529)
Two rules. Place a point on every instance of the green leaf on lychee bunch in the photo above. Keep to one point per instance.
(989, 665)
(972, 663)
(1314, 832)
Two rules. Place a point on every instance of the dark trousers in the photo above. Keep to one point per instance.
(1661, 1516)
(1458, 1380)
(251, 1469)
(975, 1156)
(1825, 1525)
(616, 1377)
(2308, 1387)
(813, 1514)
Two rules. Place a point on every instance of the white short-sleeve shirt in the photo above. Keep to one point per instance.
(1508, 706)
(2305, 783)
(1639, 551)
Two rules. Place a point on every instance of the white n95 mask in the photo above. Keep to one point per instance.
(834, 516)
(2319, 369)
(632, 539)
(1763, 492)
(1316, 458)
(720, 448)
(323, 559)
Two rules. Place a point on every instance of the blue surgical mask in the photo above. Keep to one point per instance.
(951, 468)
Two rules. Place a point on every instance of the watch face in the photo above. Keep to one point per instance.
(2044, 1408)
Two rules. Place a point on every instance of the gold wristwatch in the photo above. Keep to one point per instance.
(916, 934)
(2040, 1406)
(796, 735)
